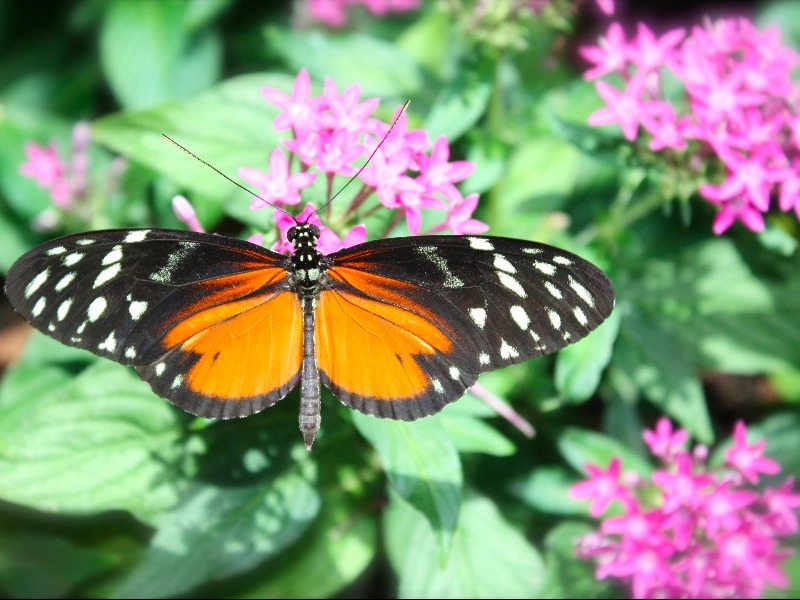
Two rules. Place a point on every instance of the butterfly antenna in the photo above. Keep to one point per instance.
(383, 139)
(233, 181)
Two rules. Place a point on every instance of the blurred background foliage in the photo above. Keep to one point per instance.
(109, 491)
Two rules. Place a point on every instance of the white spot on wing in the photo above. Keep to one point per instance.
(107, 274)
(56, 251)
(110, 343)
(85, 242)
(484, 358)
(562, 260)
(544, 267)
(501, 262)
(164, 273)
(507, 351)
(72, 259)
(437, 386)
(65, 281)
(554, 291)
(176, 383)
(478, 316)
(555, 318)
(136, 236)
(39, 306)
(160, 368)
(582, 292)
(511, 284)
(520, 317)
(95, 310)
(130, 352)
(532, 250)
(37, 282)
(477, 243)
(579, 314)
(63, 309)
(455, 373)
(114, 256)
(137, 308)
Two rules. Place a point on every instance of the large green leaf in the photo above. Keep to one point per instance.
(96, 441)
(657, 364)
(230, 126)
(488, 558)
(150, 55)
(422, 465)
(219, 531)
(580, 446)
(580, 366)
(336, 549)
(379, 67)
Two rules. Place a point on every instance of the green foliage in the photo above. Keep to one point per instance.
(109, 491)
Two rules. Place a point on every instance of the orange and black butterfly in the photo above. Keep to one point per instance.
(395, 328)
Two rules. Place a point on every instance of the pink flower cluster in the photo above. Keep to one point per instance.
(332, 135)
(692, 530)
(64, 181)
(738, 103)
(334, 12)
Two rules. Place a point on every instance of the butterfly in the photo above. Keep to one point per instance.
(395, 328)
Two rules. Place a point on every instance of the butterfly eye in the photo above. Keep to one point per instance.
(290, 235)
(313, 230)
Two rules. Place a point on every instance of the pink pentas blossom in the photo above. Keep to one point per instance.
(334, 13)
(749, 459)
(692, 530)
(277, 186)
(733, 122)
(386, 166)
(184, 210)
(67, 180)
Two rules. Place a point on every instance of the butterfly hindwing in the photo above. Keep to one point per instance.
(406, 325)
(208, 321)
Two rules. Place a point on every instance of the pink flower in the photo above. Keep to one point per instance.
(663, 442)
(44, 165)
(603, 487)
(438, 174)
(692, 530)
(333, 13)
(184, 210)
(747, 459)
(300, 110)
(459, 217)
(278, 186)
(626, 108)
(734, 108)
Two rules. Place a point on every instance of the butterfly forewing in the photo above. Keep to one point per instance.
(406, 325)
(206, 319)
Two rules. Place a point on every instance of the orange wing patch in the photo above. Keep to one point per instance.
(372, 351)
(245, 348)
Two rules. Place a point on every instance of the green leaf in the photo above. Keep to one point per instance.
(149, 55)
(68, 565)
(488, 558)
(580, 446)
(459, 105)
(336, 550)
(97, 441)
(472, 434)
(546, 489)
(217, 532)
(422, 465)
(380, 67)
(580, 366)
(229, 126)
(661, 368)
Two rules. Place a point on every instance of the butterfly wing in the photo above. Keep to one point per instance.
(406, 325)
(209, 322)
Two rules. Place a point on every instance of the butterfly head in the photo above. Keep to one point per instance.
(306, 260)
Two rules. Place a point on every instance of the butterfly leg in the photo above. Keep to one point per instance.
(310, 392)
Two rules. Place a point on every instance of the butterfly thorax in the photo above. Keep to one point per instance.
(307, 266)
